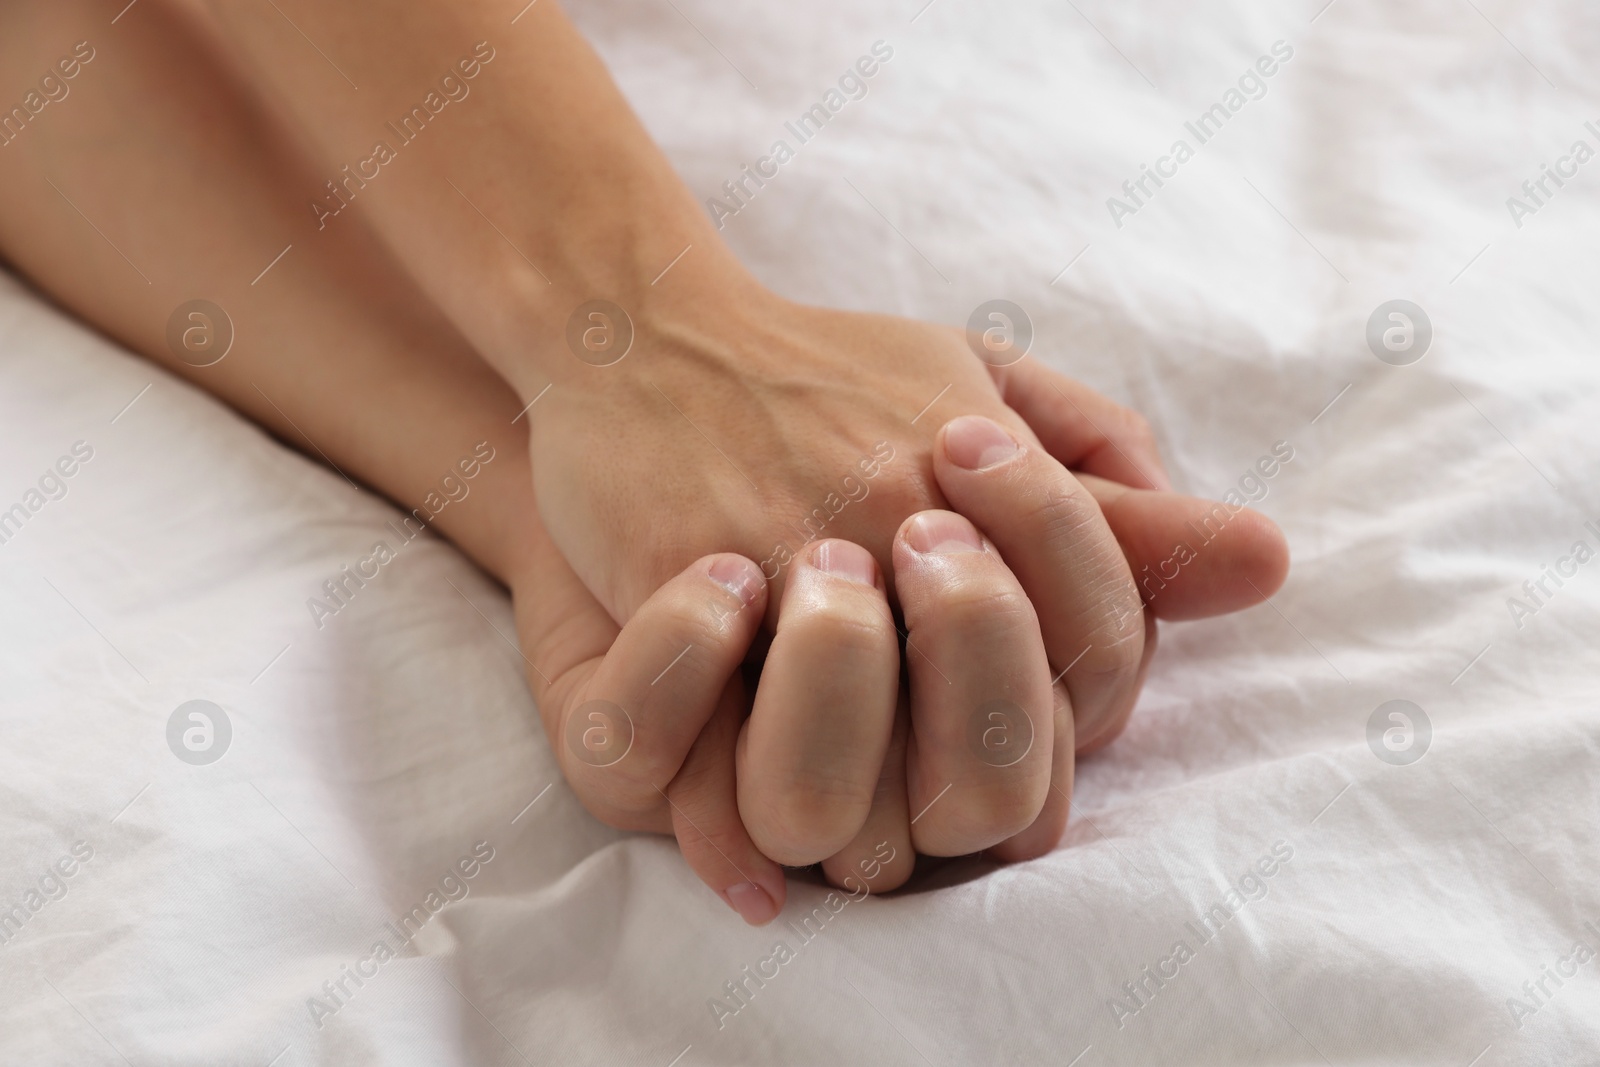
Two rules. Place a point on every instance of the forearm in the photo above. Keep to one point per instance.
(498, 160)
(331, 347)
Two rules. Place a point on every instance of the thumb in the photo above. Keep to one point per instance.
(1192, 558)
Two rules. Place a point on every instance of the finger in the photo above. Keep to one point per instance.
(563, 632)
(978, 760)
(1053, 537)
(881, 856)
(1109, 730)
(1044, 834)
(811, 751)
(1193, 558)
(1081, 428)
(705, 818)
(625, 733)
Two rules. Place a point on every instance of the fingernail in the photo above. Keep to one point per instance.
(977, 443)
(943, 532)
(847, 560)
(751, 902)
(738, 576)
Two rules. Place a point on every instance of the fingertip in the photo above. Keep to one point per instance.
(738, 575)
(1248, 561)
(1194, 558)
(1262, 541)
(976, 443)
(937, 532)
(756, 903)
(706, 822)
(838, 558)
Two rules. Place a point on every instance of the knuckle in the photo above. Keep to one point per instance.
(713, 626)
(703, 615)
(1115, 625)
(966, 607)
(1114, 659)
(858, 625)
(809, 823)
(992, 813)
(1061, 514)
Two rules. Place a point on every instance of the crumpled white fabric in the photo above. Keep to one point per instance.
(1437, 912)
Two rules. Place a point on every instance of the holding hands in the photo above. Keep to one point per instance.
(796, 585)
(924, 673)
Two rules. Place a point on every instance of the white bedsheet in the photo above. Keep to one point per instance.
(1407, 904)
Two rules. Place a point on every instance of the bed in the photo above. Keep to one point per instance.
(1355, 825)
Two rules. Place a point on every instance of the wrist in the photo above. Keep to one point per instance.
(610, 290)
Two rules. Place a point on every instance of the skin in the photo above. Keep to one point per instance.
(768, 717)
(737, 410)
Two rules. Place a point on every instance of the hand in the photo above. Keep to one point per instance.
(740, 422)
(666, 765)
(568, 201)
(673, 778)
(975, 665)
